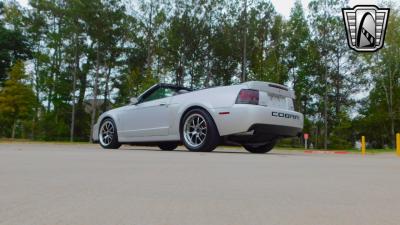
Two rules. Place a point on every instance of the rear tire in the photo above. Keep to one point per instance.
(198, 131)
(108, 136)
(167, 146)
(260, 149)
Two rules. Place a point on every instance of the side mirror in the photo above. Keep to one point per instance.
(133, 100)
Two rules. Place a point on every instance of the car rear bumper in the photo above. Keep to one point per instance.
(261, 133)
(262, 119)
(277, 130)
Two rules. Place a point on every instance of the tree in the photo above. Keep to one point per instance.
(77, 51)
(13, 45)
(17, 100)
(327, 30)
(244, 46)
(380, 111)
(299, 57)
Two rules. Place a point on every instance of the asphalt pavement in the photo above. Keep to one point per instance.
(81, 184)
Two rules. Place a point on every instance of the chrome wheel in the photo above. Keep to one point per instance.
(107, 132)
(195, 130)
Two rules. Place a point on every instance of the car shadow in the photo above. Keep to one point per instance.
(218, 151)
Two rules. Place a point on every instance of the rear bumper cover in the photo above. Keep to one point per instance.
(261, 119)
(276, 130)
(260, 133)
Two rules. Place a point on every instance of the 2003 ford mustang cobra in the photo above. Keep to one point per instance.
(253, 114)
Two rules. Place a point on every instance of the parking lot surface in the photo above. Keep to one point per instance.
(81, 184)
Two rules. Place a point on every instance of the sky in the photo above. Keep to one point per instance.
(283, 6)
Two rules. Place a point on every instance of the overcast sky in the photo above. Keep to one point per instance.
(282, 6)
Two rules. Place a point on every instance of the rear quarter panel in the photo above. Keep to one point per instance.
(211, 99)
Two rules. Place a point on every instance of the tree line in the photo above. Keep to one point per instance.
(63, 62)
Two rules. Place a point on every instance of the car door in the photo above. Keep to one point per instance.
(150, 117)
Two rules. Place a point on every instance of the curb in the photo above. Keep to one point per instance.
(325, 152)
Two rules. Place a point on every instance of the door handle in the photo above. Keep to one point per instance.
(163, 104)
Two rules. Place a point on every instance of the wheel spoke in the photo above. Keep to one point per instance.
(195, 130)
(107, 133)
(194, 141)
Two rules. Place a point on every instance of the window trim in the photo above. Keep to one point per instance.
(156, 87)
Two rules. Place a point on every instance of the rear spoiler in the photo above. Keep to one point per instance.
(279, 86)
(271, 88)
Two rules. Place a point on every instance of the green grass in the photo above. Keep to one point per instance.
(9, 140)
(373, 151)
(355, 151)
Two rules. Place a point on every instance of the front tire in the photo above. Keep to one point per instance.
(259, 148)
(108, 136)
(199, 132)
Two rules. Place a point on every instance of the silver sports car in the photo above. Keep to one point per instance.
(253, 114)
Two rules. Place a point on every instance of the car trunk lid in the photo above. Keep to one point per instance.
(272, 94)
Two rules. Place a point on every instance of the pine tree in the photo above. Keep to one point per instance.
(17, 100)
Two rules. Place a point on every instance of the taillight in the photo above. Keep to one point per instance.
(247, 96)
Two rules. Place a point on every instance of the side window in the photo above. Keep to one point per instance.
(160, 93)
